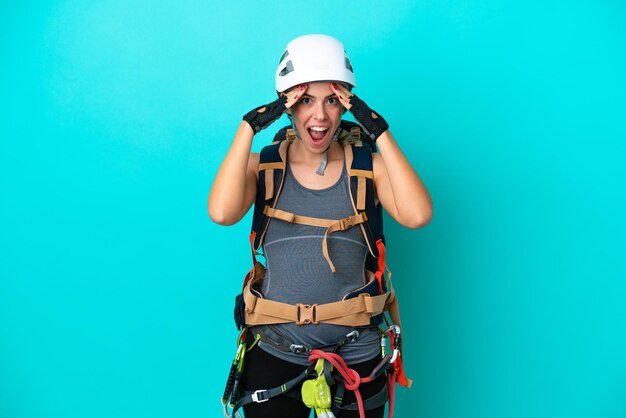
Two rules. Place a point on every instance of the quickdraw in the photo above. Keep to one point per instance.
(232, 391)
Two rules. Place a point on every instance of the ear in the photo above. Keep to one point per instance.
(288, 111)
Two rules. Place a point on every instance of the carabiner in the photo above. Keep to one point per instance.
(395, 344)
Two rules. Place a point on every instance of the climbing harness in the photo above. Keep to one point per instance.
(275, 339)
(327, 369)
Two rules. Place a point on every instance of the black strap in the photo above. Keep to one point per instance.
(370, 403)
(338, 399)
(280, 342)
(374, 402)
(263, 395)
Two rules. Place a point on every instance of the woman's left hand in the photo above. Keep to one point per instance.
(372, 123)
(343, 94)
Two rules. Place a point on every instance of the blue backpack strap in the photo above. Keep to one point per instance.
(272, 164)
(361, 171)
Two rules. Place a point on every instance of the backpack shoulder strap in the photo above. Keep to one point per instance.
(286, 132)
(353, 133)
(272, 163)
(361, 171)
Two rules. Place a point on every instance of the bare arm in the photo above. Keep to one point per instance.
(399, 188)
(234, 189)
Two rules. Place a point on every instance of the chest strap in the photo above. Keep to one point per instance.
(331, 225)
(356, 312)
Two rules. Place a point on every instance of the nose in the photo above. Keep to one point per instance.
(320, 112)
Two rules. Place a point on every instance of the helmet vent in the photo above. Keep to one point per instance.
(282, 57)
(288, 68)
(348, 65)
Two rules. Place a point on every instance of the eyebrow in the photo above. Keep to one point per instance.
(313, 97)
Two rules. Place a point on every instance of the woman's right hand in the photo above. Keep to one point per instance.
(294, 95)
(263, 116)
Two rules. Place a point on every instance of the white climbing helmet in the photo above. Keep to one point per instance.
(311, 58)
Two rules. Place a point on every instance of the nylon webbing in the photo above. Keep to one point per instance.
(347, 149)
(360, 194)
(354, 312)
(297, 219)
(356, 133)
(371, 403)
(263, 395)
(269, 184)
(331, 225)
(362, 173)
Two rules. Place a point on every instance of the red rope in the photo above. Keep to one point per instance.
(351, 377)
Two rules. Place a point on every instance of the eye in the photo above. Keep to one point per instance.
(333, 101)
(305, 100)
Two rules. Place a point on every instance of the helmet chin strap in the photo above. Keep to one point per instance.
(322, 167)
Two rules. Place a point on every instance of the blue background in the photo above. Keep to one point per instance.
(116, 290)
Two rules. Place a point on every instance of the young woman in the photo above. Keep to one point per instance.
(314, 81)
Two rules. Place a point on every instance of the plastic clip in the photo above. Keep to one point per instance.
(352, 336)
(257, 399)
(297, 348)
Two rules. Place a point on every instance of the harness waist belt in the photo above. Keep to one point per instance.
(350, 312)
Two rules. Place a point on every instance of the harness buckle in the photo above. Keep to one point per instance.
(297, 348)
(352, 336)
(306, 314)
(258, 399)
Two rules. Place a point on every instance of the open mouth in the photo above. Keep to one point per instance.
(317, 134)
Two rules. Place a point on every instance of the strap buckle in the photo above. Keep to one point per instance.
(306, 314)
(352, 336)
(297, 348)
(257, 398)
